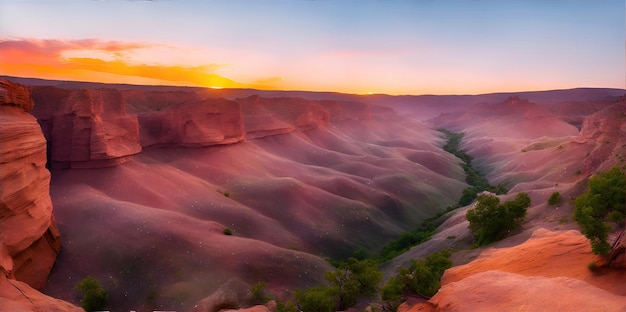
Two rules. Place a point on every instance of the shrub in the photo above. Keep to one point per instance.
(406, 240)
(352, 279)
(288, 306)
(392, 291)
(491, 221)
(422, 277)
(94, 296)
(258, 293)
(228, 231)
(555, 199)
(604, 199)
(316, 299)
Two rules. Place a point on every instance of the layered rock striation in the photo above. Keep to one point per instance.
(29, 239)
(604, 135)
(193, 124)
(91, 128)
(86, 128)
(524, 277)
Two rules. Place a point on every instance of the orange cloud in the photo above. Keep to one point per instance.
(45, 59)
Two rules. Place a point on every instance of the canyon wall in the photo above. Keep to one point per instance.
(29, 239)
(106, 127)
(86, 128)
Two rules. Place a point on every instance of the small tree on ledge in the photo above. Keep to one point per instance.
(491, 221)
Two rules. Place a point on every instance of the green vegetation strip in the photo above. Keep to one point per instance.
(472, 177)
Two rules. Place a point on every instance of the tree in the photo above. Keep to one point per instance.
(491, 221)
(94, 296)
(316, 299)
(391, 292)
(422, 276)
(352, 279)
(555, 199)
(605, 200)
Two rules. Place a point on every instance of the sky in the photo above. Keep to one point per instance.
(352, 46)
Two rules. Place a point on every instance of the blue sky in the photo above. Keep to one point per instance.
(396, 47)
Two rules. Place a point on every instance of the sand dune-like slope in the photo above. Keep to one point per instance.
(548, 271)
(299, 176)
(151, 230)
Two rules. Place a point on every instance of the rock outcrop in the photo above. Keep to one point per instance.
(193, 124)
(86, 128)
(29, 235)
(523, 278)
(605, 134)
(29, 239)
(19, 296)
(105, 127)
(270, 116)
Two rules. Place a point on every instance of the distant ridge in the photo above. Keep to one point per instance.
(581, 94)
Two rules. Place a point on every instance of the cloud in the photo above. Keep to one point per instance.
(49, 59)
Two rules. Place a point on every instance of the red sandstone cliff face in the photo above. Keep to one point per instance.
(524, 278)
(270, 116)
(193, 124)
(29, 239)
(605, 135)
(86, 128)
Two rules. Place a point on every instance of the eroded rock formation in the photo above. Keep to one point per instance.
(193, 124)
(29, 239)
(523, 277)
(86, 128)
(605, 134)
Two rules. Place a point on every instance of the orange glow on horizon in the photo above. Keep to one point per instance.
(119, 62)
(106, 62)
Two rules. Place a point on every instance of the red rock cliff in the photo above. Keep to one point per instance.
(29, 239)
(86, 128)
(194, 124)
(605, 134)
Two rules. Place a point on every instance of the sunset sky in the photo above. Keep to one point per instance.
(353, 46)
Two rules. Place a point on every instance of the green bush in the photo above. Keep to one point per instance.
(288, 306)
(555, 199)
(604, 200)
(258, 293)
(406, 240)
(392, 291)
(422, 277)
(228, 231)
(351, 280)
(94, 296)
(317, 299)
(491, 221)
